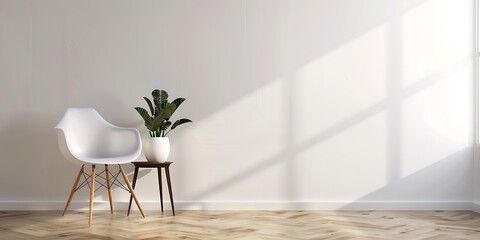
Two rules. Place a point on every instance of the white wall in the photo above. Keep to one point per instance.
(303, 104)
(476, 177)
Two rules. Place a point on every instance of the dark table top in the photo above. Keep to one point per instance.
(151, 164)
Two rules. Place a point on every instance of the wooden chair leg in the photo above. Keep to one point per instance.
(131, 189)
(73, 190)
(109, 188)
(134, 183)
(92, 192)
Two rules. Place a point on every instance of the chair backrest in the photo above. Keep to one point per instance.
(85, 135)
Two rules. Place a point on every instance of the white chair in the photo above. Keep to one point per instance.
(86, 138)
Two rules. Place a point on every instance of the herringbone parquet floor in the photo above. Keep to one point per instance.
(242, 225)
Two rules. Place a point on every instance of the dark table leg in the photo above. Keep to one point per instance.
(167, 171)
(133, 186)
(159, 170)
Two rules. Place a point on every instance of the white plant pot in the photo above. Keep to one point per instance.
(157, 149)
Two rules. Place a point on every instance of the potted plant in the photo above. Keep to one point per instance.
(157, 146)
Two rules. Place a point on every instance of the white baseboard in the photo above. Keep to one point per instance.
(476, 207)
(312, 206)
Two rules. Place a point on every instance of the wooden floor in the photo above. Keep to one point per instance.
(242, 225)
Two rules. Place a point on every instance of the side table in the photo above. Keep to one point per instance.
(159, 167)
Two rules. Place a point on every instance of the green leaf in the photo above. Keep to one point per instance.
(160, 99)
(156, 93)
(143, 113)
(166, 112)
(156, 99)
(163, 96)
(152, 110)
(178, 101)
(180, 122)
(146, 117)
(157, 122)
(169, 109)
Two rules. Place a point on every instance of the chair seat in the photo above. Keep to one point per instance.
(85, 137)
(112, 160)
